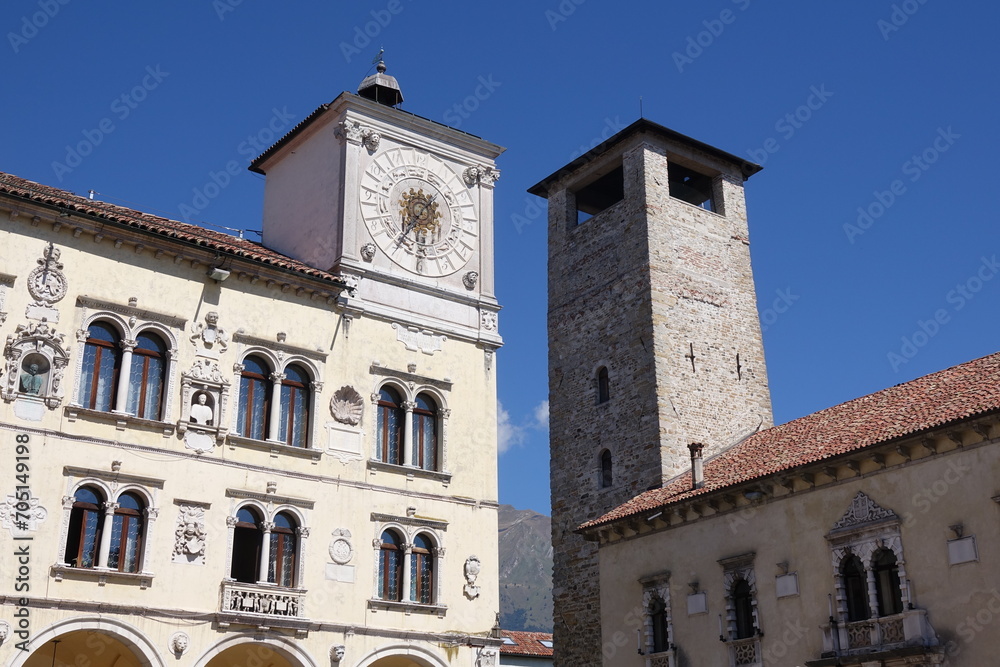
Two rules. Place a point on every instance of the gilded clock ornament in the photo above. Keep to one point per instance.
(419, 212)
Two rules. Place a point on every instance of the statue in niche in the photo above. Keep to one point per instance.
(201, 411)
(34, 371)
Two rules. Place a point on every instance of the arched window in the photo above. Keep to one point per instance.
(146, 377)
(390, 567)
(294, 426)
(255, 399)
(102, 357)
(855, 588)
(126, 534)
(606, 475)
(389, 429)
(743, 604)
(658, 618)
(422, 570)
(887, 589)
(281, 559)
(86, 520)
(603, 386)
(247, 537)
(425, 433)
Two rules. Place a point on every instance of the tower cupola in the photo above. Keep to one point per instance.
(381, 87)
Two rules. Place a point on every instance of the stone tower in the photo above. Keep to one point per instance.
(654, 338)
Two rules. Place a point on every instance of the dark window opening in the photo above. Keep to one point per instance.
(86, 521)
(606, 477)
(603, 386)
(855, 588)
(658, 618)
(743, 604)
(602, 194)
(690, 186)
(247, 538)
(887, 588)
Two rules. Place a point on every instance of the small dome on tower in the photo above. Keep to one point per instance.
(381, 87)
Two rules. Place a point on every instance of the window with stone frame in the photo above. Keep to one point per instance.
(408, 558)
(425, 432)
(742, 629)
(266, 543)
(658, 631)
(148, 377)
(867, 555)
(411, 424)
(389, 427)
(85, 524)
(390, 567)
(422, 570)
(603, 385)
(606, 478)
(102, 360)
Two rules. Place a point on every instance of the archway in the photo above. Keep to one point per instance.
(402, 655)
(244, 651)
(89, 642)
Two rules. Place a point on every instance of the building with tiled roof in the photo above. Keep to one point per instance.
(526, 649)
(279, 453)
(687, 530)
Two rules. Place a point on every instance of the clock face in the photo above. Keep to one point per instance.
(419, 212)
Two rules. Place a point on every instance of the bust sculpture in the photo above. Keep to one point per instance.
(31, 380)
(201, 412)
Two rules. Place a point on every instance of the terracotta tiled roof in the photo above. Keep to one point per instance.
(181, 231)
(527, 643)
(954, 394)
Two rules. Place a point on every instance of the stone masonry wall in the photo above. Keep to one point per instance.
(633, 289)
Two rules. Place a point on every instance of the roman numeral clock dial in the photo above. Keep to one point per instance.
(419, 212)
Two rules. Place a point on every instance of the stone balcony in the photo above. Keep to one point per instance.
(877, 635)
(262, 605)
(744, 652)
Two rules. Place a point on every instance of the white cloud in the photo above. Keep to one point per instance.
(542, 415)
(509, 434)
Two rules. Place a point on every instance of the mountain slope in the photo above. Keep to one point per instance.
(525, 570)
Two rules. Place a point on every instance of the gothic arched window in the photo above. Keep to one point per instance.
(281, 556)
(147, 377)
(86, 520)
(255, 395)
(390, 567)
(743, 604)
(425, 441)
(389, 429)
(126, 534)
(422, 570)
(887, 588)
(606, 471)
(852, 573)
(101, 360)
(294, 426)
(247, 537)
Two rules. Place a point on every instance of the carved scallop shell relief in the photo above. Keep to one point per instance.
(347, 406)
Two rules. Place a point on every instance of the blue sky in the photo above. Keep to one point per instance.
(873, 237)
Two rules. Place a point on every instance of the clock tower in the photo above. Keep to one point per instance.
(396, 204)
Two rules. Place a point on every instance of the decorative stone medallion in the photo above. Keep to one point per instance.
(472, 568)
(341, 549)
(179, 643)
(347, 406)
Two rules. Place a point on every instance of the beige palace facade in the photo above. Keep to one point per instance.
(219, 452)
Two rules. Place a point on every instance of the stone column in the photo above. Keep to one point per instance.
(105, 549)
(872, 593)
(274, 419)
(147, 537)
(406, 549)
(265, 551)
(121, 400)
(408, 433)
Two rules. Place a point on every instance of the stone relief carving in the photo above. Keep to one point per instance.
(486, 657)
(415, 340)
(46, 282)
(36, 362)
(863, 510)
(470, 279)
(179, 643)
(349, 130)
(208, 338)
(4, 631)
(341, 548)
(488, 320)
(472, 568)
(368, 251)
(190, 535)
(370, 139)
(21, 520)
(347, 406)
(480, 174)
(337, 652)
